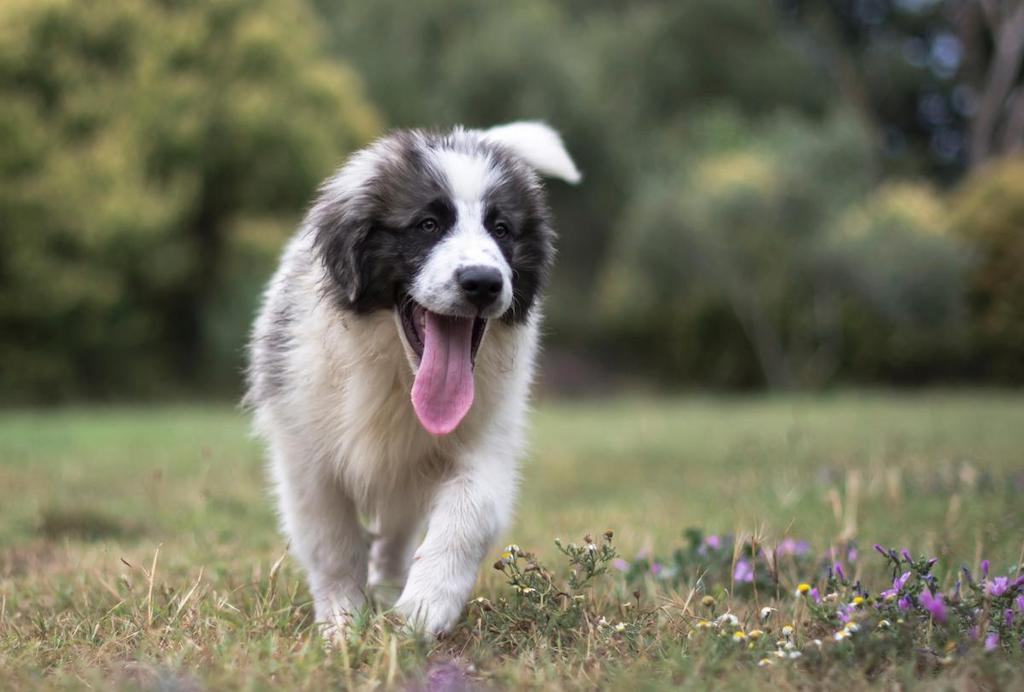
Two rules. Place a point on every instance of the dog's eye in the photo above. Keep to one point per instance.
(500, 230)
(429, 225)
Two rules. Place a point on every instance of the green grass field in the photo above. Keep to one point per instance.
(138, 545)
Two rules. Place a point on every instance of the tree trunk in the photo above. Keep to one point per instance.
(1007, 29)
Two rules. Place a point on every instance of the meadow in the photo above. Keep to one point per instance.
(138, 549)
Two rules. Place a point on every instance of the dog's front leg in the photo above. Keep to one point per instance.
(466, 516)
(325, 536)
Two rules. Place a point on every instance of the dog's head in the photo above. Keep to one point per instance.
(449, 231)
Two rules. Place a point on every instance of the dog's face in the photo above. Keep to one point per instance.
(448, 231)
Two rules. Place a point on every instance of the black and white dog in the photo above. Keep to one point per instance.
(391, 361)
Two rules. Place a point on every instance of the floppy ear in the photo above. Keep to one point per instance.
(538, 145)
(340, 236)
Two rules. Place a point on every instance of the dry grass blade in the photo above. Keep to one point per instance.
(149, 592)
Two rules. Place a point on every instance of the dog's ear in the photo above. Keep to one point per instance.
(340, 236)
(539, 146)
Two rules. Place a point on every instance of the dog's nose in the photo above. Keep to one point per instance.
(481, 285)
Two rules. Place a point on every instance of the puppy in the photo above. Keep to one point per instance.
(391, 360)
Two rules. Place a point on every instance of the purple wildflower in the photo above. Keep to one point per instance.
(1008, 616)
(904, 603)
(713, 542)
(905, 554)
(967, 575)
(897, 585)
(620, 564)
(934, 604)
(851, 554)
(446, 677)
(992, 641)
(984, 568)
(931, 563)
(881, 551)
(790, 546)
(656, 568)
(815, 595)
(743, 572)
(839, 572)
(997, 587)
(1020, 603)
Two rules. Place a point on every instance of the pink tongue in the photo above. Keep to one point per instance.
(443, 390)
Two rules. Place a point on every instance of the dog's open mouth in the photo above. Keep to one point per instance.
(414, 322)
(442, 392)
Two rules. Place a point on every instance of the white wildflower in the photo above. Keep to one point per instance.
(728, 619)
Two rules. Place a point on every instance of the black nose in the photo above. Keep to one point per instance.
(480, 285)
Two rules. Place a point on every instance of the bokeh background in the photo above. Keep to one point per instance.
(796, 194)
(817, 204)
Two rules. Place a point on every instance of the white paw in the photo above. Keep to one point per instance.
(334, 619)
(334, 632)
(434, 612)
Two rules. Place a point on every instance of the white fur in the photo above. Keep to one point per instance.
(468, 176)
(468, 244)
(538, 145)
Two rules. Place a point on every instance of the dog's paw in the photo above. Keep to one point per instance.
(335, 623)
(334, 632)
(435, 614)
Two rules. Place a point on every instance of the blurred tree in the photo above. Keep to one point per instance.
(992, 32)
(737, 225)
(900, 275)
(899, 63)
(749, 227)
(140, 140)
(938, 81)
(157, 153)
(988, 212)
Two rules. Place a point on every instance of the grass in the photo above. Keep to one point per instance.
(138, 546)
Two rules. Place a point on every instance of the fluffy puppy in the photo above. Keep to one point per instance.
(391, 360)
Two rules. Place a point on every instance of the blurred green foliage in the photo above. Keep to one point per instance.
(988, 212)
(746, 217)
(155, 155)
(732, 240)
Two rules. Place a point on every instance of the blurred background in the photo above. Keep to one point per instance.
(788, 194)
